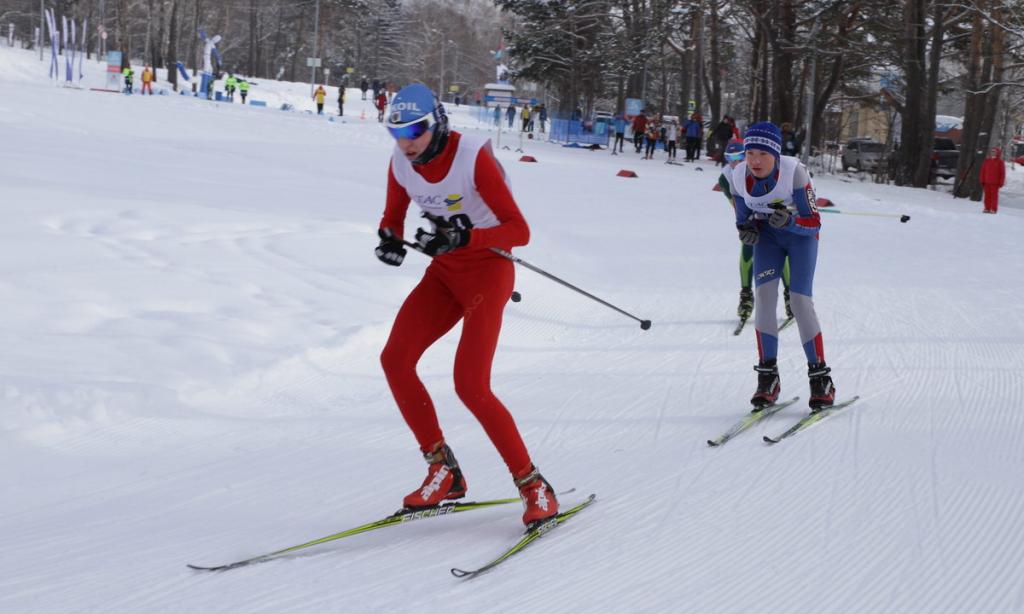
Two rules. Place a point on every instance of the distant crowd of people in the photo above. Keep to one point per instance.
(529, 116)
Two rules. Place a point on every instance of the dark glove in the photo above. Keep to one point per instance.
(749, 234)
(779, 218)
(390, 249)
(445, 237)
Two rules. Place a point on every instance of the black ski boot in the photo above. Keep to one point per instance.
(768, 385)
(823, 392)
(785, 297)
(746, 306)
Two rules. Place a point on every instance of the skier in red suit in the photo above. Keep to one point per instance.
(993, 177)
(460, 186)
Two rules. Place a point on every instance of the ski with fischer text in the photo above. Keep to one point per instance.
(402, 516)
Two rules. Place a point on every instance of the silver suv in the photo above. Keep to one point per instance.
(862, 154)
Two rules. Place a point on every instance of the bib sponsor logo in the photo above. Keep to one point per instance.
(811, 200)
(454, 202)
(429, 200)
(766, 273)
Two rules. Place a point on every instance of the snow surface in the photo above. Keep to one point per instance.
(193, 315)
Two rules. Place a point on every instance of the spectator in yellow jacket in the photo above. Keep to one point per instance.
(147, 80)
(320, 95)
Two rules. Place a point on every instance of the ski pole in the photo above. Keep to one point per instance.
(902, 218)
(644, 324)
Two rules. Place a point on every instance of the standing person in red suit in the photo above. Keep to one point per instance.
(993, 177)
(381, 102)
(461, 188)
(639, 126)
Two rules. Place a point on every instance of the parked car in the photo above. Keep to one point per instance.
(944, 158)
(862, 155)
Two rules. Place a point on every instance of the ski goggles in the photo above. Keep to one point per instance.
(736, 156)
(411, 130)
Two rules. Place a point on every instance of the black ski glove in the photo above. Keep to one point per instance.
(780, 217)
(749, 234)
(445, 237)
(390, 249)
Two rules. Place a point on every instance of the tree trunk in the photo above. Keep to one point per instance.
(293, 65)
(253, 25)
(697, 36)
(147, 46)
(275, 50)
(968, 164)
(684, 83)
(782, 62)
(715, 95)
(193, 37)
(124, 39)
(172, 47)
(158, 41)
(911, 147)
(824, 94)
(993, 72)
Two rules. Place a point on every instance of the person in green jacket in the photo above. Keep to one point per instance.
(243, 89)
(229, 87)
(129, 74)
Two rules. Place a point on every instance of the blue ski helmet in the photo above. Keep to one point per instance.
(734, 151)
(414, 111)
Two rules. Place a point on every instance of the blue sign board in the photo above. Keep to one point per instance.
(634, 106)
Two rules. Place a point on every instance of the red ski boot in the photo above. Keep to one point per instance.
(444, 480)
(538, 498)
(768, 386)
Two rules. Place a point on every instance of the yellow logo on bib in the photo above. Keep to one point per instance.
(454, 202)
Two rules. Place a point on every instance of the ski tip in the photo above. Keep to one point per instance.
(768, 440)
(713, 444)
(461, 573)
(201, 568)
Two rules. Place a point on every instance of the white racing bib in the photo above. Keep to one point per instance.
(782, 193)
(455, 197)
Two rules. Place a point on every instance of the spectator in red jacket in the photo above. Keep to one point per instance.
(993, 177)
(639, 128)
(381, 102)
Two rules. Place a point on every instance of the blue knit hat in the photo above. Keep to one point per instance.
(765, 136)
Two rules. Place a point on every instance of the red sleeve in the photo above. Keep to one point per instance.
(396, 205)
(512, 229)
